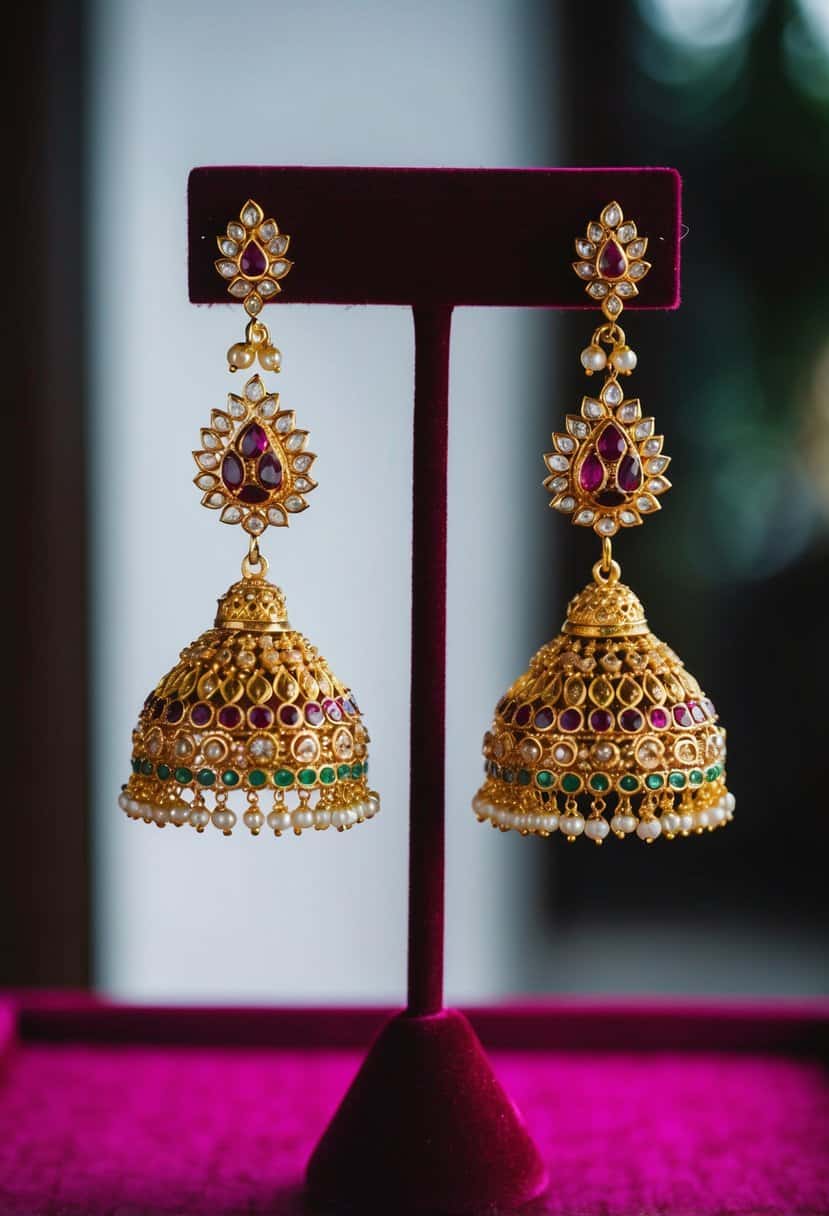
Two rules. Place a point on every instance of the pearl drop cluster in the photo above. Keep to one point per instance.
(594, 359)
(279, 820)
(571, 824)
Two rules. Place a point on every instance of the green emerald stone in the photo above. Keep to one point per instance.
(136, 766)
(628, 783)
(183, 776)
(284, 777)
(162, 771)
(257, 778)
(544, 779)
(327, 775)
(307, 776)
(677, 780)
(356, 771)
(695, 776)
(653, 781)
(205, 777)
(599, 783)
(343, 771)
(713, 772)
(525, 777)
(231, 778)
(146, 768)
(570, 783)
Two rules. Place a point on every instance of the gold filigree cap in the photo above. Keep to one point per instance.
(255, 605)
(605, 608)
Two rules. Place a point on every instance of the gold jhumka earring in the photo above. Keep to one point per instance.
(606, 731)
(251, 711)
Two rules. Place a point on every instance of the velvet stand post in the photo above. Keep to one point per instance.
(425, 1126)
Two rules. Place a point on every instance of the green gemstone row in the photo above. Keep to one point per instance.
(601, 783)
(257, 778)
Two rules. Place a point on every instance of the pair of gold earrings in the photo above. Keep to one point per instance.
(605, 732)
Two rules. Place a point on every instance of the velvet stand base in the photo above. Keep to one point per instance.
(425, 1128)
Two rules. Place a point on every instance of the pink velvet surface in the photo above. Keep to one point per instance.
(110, 1130)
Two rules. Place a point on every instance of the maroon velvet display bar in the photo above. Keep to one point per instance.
(436, 236)
(443, 1135)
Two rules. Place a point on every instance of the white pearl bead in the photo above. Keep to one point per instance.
(303, 818)
(179, 813)
(270, 359)
(339, 818)
(279, 821)
(702, 818)
(520, 821)
(360, 811)
(502, 817)
(145, 811)
(322, 819)
(549, 823)
(223, 820)
(123, 801)
(351, 815)
(253, 819)
(670, 822)
(730, 802)
(648, 829)
(160, 814)
(596, 829)
(372, 806)
(624, 360)
(478, 804)
(716, 813)
(623, 823)
(686, 821)
(199, 817)
(571, 825)
(593, 358)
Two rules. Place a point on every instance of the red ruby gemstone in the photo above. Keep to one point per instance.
(612, 443)
(253, 261)
(659, 718)
(252, 441)
(333, 710)
(600, 719)
(570, 719)
(289, 715)
(591, 474)
(269, 471)
(631, 719)
(612, 261)
(233, 472)
(697, 712)
(175, 711)
(629, 474)
(544, 718)
(260, 716)
(201, 714)
(314, 714)
(230, 716)
(682, 715)
(523, 715)
(253, 494)
(609, 498)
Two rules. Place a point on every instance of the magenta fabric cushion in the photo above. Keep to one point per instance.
(127, 1130)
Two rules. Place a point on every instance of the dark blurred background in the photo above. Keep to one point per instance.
(734, 574)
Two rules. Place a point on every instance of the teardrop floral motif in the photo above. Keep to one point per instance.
(603, 482)
(610, 260)
(256, 460)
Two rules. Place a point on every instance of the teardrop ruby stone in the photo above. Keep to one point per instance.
(611, 443)
(612, 261)
(629, 474)
(252, 441)
(591, 474)
(253, 494)
(233, 472)
(253, 261)
(269, 471)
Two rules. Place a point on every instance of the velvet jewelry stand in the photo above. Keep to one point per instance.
(425, 1126)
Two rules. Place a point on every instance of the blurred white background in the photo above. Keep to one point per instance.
(177, 85)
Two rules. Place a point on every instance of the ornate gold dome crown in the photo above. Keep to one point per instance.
(606, 718)
(250, 710)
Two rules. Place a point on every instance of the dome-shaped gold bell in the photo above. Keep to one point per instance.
(605, 732)
(250, 712)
